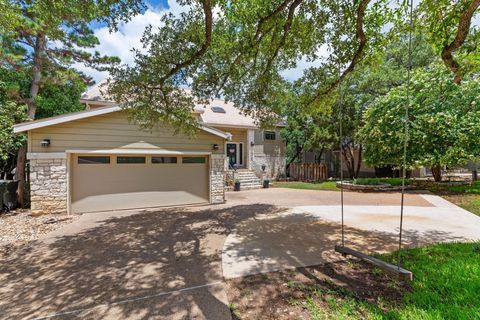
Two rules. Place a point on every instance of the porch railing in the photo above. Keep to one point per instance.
(308, 171)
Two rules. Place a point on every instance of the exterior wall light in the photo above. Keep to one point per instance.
(45, 143)
(215, 146)
(252, 143)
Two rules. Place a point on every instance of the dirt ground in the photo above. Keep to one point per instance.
(18, 228)
(283, 294)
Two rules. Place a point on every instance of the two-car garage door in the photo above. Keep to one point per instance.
(115, 182)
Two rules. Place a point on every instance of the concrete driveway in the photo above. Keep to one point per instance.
(307, 232)
(170, 263)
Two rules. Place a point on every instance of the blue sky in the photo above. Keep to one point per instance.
(162, 3)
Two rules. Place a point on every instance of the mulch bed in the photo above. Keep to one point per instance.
(18, 228)
(282, 295)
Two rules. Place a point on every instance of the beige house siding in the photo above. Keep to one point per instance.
(238, 135)
(270, 153)
(112, 131)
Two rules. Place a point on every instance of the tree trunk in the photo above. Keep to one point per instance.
(437, 173)
(359, 161)
(31, 109)
(319, 158)
(298, 151)
(349, 156)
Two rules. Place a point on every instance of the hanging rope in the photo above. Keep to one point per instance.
(405, 142)
(340, 93)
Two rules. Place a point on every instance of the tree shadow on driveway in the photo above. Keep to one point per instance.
(124, 258)
(296, 240)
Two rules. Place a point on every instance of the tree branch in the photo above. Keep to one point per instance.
(264, 19)
(207, 9)
(257, 38)
(462, 33)
(362, 43)
(286, 29)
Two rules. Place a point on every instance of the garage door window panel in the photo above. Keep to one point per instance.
(164, 159)
(93, 160)
(193, 160)
(129, 160)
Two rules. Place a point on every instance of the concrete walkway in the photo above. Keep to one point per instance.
(305, 235)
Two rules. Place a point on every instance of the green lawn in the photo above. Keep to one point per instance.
(325, 185)
(472, 204)
(446, 286)
(467, 196)
(473, 189)
(331, 185)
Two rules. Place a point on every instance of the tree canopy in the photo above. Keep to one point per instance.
(443, 123)
(238, 50)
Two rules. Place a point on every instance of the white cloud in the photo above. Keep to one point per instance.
(127, 37)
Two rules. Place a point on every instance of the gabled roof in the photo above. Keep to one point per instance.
(31, 125)
(96, 95)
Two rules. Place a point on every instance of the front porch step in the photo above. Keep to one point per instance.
(248, 179)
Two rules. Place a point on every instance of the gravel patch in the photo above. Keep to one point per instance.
(18, 228)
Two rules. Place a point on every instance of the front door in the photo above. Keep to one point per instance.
(232, 154)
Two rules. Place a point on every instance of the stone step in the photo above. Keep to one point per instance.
(245, 188)
(251, 185)
(246, 176)
(249, 179)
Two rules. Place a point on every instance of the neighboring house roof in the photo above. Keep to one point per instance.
(31, 125)
(232, 117)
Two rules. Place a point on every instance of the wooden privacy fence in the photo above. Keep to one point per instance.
(308, 171)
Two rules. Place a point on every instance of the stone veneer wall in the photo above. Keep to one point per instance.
(48, 186)
(217, 178)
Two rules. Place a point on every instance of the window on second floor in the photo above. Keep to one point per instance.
(269, 135)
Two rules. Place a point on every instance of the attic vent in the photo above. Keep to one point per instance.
(218, 110)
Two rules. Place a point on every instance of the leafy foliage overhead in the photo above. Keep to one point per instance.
(443, 122)
(238, 49)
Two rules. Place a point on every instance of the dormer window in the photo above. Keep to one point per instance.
(217, 109)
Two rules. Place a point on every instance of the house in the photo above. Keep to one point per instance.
(96, 160)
